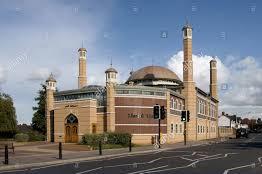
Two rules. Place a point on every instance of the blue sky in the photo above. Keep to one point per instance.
(39, 37)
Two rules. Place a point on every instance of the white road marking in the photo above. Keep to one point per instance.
(98, 168)
(163, 170)
(260, 159)
(228, 170)
(148, 162)
(147, 170)
(209, 156)
(187, 159)
(191, 164)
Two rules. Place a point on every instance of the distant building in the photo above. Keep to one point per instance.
(129, 107)
(226, 120)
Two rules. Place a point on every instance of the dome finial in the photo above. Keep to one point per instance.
(51, 78)
(187, 25)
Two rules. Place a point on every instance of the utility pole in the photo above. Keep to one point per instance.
(185, 133)
(185, 117)
(159, 113)
(159, 130)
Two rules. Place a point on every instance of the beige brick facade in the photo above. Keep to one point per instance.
(129, 107)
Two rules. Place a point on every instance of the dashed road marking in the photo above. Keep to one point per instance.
(98, 168)
(228, 170)
(187, 159)
(193, 164)
(147, 170)
(148, 162)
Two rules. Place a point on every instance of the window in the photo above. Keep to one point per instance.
(198, 104)
(197, 128)
(175, 104)
(207, 129)
(200, 129)
(172, 128)
(172, 103)
(203, 129)
(204, 108)
(180, 106)
(176, 129)
(180, 128)
(185, 32)
(189, 33)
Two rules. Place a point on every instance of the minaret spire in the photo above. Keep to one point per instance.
(82, 78)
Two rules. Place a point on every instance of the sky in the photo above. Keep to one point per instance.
(39, 37)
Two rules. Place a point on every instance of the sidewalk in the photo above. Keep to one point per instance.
(36, 156)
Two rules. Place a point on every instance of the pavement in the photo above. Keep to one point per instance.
(227, 157)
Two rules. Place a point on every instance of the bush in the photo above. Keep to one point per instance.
(35, 136)
(21, 137)
(92, 139)
(107, 138)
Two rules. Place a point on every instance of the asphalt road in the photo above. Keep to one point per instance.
(239, 156)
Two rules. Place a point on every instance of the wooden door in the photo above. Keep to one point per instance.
(67, 134)
(71, 135)
(74, 134)
(94, 128)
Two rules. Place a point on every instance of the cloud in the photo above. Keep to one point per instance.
(200, 68)
(41, 74)
(43, 37)
(241, 78)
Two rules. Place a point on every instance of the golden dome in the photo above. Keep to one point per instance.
(154, 73)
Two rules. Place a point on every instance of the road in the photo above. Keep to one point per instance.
(230, 157)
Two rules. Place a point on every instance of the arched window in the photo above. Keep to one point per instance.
(172, 103)
(204, 108)
(71, 119)
(175, 104)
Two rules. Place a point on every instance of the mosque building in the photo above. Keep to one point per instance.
(128, 107)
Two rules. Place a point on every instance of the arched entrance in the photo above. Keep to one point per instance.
(71, 129)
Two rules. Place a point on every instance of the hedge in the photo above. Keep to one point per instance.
(106, 138)
(21, 137)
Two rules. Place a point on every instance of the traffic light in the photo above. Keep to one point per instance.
(183, 116)
(188, 116)
(156, 112)
(163, 112)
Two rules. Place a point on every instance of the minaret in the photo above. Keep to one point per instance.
(50, 88)
(189, 90)
(82, 80)
(111, 75)
(213, 79)
(110, 100)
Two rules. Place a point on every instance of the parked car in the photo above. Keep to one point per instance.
(241, 132)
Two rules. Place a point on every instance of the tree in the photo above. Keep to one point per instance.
(7, 116)
(38, 120)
